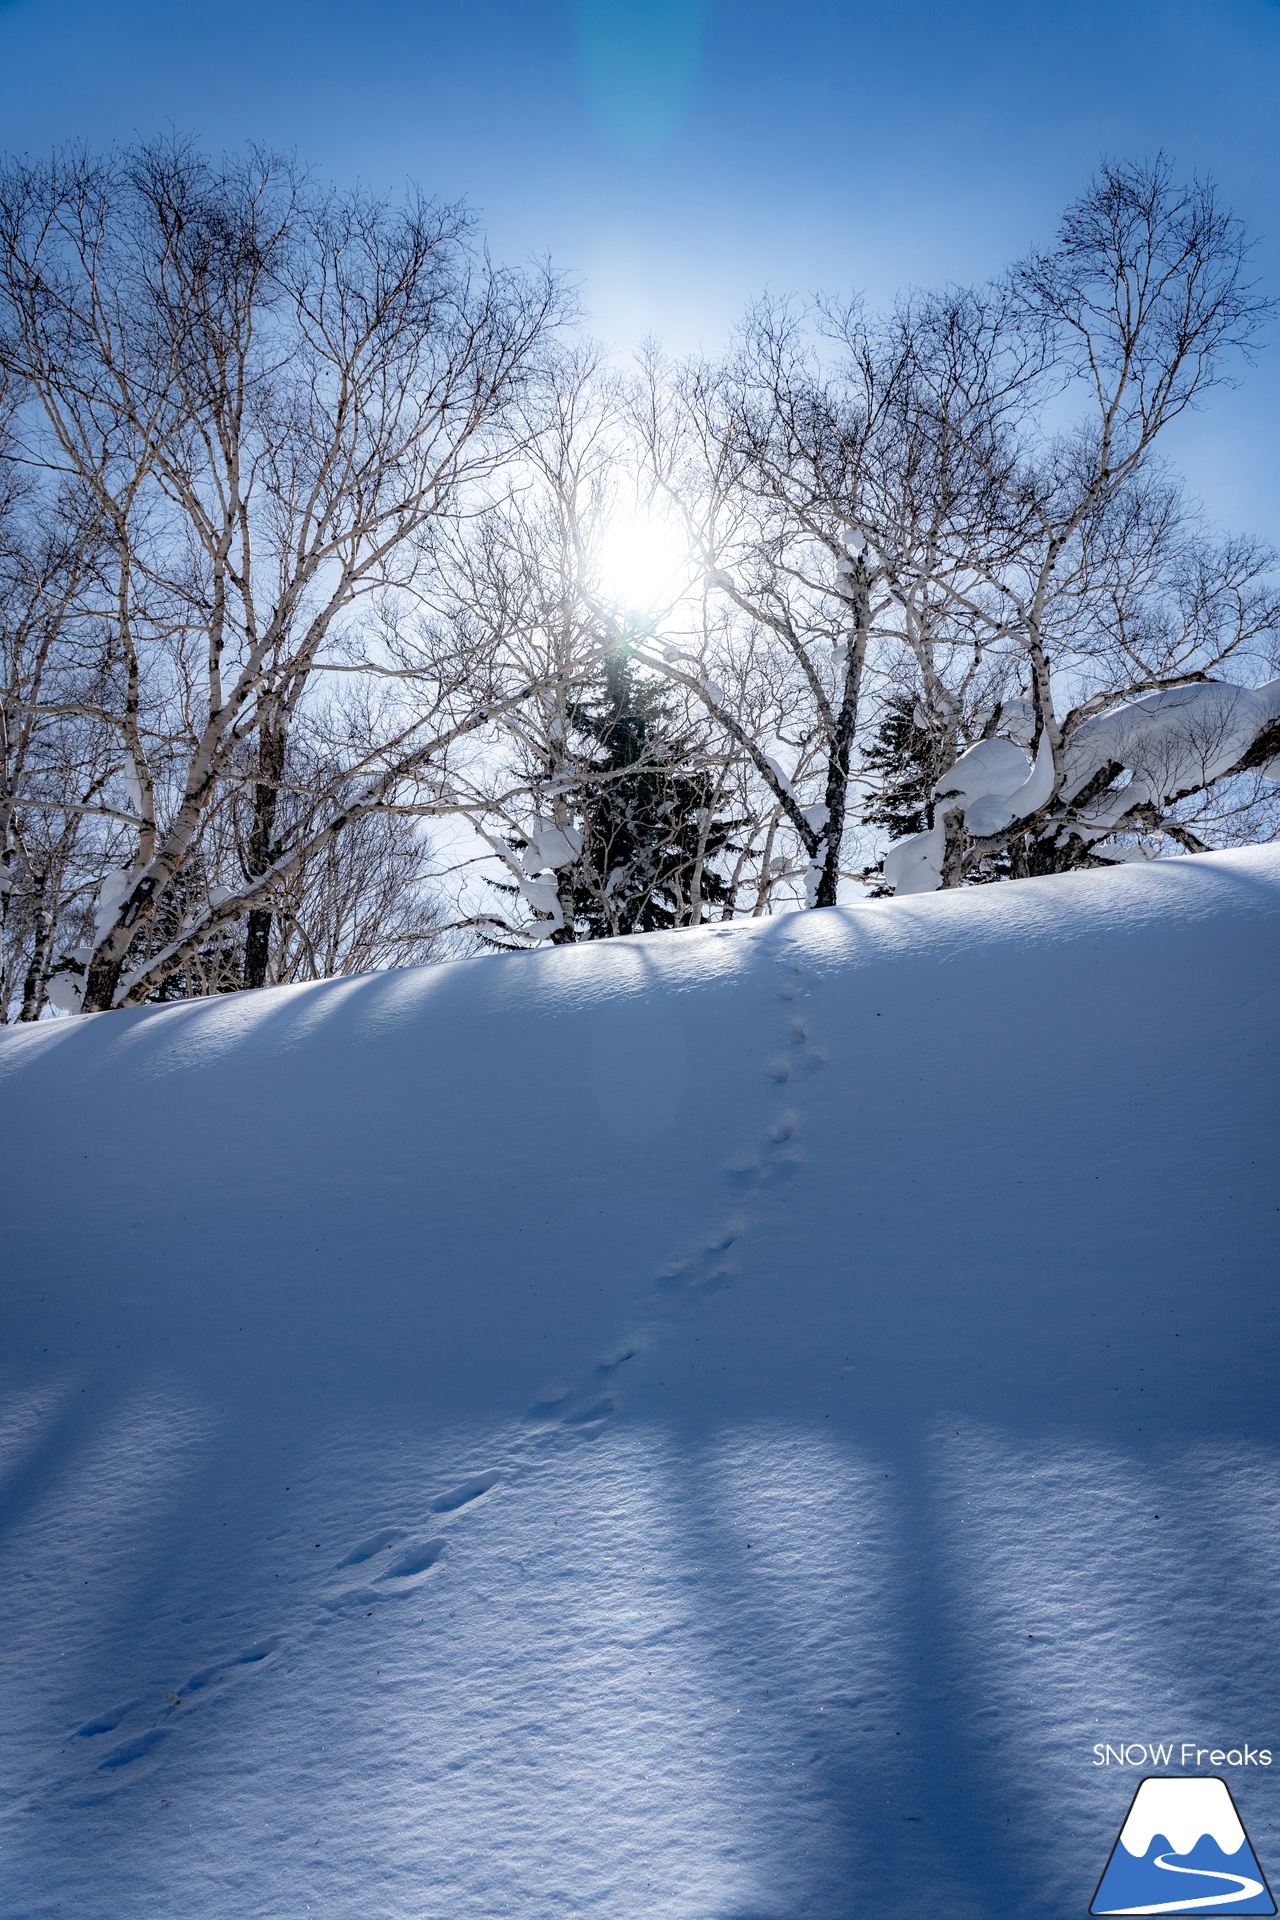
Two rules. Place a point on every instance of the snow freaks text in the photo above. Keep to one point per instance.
(1160, 1754)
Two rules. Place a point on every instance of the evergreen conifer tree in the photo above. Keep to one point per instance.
(904, 763)
(651, 838)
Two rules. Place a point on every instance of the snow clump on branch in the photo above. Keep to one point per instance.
(1170, 743)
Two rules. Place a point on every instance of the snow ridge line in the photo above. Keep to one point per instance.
(394, 1561)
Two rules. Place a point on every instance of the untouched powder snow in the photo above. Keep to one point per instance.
(716, 1425)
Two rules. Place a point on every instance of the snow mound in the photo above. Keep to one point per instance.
(717, 1425)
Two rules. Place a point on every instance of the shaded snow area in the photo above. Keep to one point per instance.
(713, 1425)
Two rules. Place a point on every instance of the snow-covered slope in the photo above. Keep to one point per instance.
(713, 1425)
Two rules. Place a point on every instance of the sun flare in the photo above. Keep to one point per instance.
(641, 564)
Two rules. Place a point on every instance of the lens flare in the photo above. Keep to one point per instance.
(641, 564)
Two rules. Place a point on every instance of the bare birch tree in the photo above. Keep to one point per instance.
(824, 502)
(893, 507)
(271, 395)
(54, 764)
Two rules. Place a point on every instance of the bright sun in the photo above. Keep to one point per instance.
(641, 564)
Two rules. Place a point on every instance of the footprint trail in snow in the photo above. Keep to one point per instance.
(397, 1560)
(709, 1265)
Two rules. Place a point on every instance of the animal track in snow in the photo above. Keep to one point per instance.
(404, 1570)
(708, 1266)
(463, 1495)
(390, 1562)
(376, 1543)
(746, 1165)
(586, 1401)
(136, 1749)
(405, 1565)
(798, 1064)
(776, 1157)
(408, 1568)
(140, 1745)
(597, 1409)
(550, 1403)
(106, 1722)
(627, 1350)
(251, 1657)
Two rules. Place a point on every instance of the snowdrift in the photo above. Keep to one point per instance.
(717, 1425)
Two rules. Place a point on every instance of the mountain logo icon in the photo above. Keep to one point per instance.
(1183, 1850)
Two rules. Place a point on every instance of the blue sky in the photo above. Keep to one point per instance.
(680, 155)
